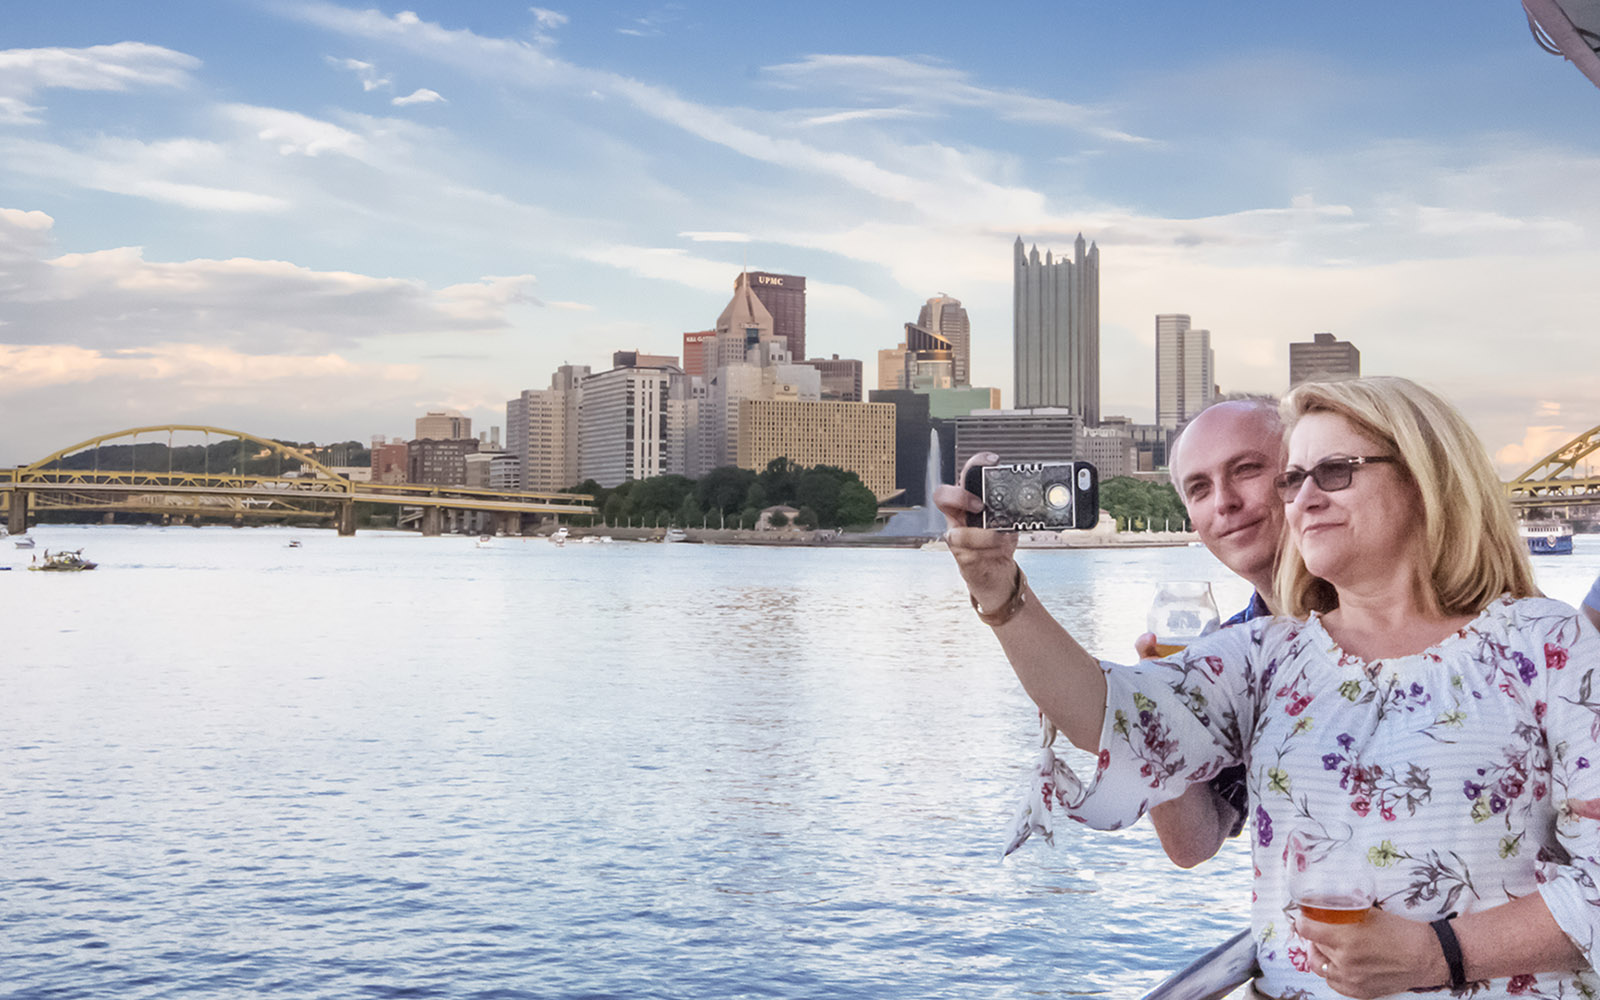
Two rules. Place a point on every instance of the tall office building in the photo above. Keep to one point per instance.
(929, 360)
(784, 295)
(943, 317)
(623, 427)
(1056, 330)
(443, 425)
(1046, 434)
(694, 351)
(841, 378)
(542, 431)
(1185, 370)
(744, 326)
(1324, 359)
(856, 437)
(439, 462)
(892, 368)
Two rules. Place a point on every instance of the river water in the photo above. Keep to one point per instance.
(391, 766)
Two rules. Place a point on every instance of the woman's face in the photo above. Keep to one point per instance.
(1366, 531)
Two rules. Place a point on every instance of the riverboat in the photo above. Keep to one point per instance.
(1547, 538)
(676, 535)
(64, 561)
(22, 542)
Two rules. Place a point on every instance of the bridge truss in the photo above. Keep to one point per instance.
(315, 491)
(1556, 480)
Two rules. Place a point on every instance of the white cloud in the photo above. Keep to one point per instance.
(925, 86)
(294, 134)
(862, 115)
(546, 18)
(160, 171)
(366, 72)
(716, 237)
(119, 67)
(111, 299)
(422, 95)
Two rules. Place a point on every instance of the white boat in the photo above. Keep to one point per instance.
(1547, 538)
(676, 535)
(23, 542)
(560, 537)
(485, 541)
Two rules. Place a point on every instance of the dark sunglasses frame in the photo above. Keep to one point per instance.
(1331, 475)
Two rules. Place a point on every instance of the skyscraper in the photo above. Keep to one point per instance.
(623, 424)
(542, 431)
(944, 317)
(1185, 370)
(784, 295)
(1056, 330)
(1324, 359)
(443, 425)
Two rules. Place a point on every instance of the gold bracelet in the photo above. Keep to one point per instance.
(1008, 611)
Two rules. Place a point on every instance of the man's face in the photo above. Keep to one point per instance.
(1223, 467)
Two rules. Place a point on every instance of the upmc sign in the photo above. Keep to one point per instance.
(768, 279)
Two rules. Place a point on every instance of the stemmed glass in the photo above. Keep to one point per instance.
(1182, 612)
(1329, 879)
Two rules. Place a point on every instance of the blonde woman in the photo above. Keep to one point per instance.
(1421, 709)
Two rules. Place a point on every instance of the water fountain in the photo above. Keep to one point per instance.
(924, 521)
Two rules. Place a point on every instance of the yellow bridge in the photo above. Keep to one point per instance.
(315, 490)
(1554, 481)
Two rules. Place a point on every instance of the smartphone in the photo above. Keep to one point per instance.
(1035, 497)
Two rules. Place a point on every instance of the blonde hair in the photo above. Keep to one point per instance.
(1471, 551)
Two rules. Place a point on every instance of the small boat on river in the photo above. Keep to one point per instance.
(1547, 538)
(22, 542)
(64, 561)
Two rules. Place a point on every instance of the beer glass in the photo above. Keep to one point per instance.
(1329, 880)
(1182, 612)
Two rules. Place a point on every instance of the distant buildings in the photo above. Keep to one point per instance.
(439, 462)
(892, 367)
(943, 317)
(388, 461)
(623, 426)
(542, 432)
(928, 359)
(492, 470)
(1056, 330)
(443, 425)
(858, 437)
(1185, 370)
(841, 378)
(784, 296)
(1046, 434)
(694, 348)
(1323, 359)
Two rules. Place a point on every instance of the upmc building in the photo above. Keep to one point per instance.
(784, 295)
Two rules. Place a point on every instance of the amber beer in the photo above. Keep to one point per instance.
(1169, 648)
(1335, 908)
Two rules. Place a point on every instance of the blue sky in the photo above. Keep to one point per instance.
(314, 221)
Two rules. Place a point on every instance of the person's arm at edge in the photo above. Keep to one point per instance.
(1591, 604)
(1057, 673)
(1192, 827)
(1387, 953)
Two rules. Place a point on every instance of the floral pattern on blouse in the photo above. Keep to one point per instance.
(1446, 770)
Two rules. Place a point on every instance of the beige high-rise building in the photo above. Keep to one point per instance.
(858, 437)
(1185, 370)
(542, 431)
(1324, 359)
(892, 368)
(443, 425)
(944, 317)
(744, 326)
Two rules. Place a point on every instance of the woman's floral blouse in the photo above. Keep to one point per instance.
(1446, 770)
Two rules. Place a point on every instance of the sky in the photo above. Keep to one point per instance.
(313, 221)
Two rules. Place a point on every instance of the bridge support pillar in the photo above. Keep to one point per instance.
(17, 513)
(510, 522)
(347, 519)
(109, 517)
(432, 522)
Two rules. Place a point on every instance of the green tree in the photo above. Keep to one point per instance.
(725, 488)
(779, 479)
(778, 519)
(690, 514)
(756, 496)
(615, 509)
(748, 517)
(806, 518)
(857, 505)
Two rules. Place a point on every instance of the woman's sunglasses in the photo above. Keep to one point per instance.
(1330, 475)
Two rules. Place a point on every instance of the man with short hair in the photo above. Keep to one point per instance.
(1223, 463)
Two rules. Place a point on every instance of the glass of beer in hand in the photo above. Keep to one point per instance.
(1182, 612)
(1329, 880)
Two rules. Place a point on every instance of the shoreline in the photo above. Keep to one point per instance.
(843, 540)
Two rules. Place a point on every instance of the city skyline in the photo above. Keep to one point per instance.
(314, 221)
